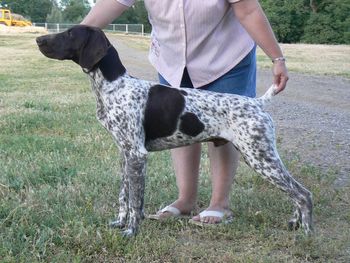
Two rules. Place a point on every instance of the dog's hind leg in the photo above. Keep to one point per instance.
(271, 168)
(259, 151)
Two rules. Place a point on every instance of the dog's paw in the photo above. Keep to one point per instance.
(116, 224)
(128, 233)
(308, 229)
(293, 225)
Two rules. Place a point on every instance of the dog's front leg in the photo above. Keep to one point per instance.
(123, 197)
(135, 172)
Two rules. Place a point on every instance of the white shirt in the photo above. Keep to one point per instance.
(203, 36)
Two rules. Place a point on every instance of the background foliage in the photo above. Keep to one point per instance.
(308, 21)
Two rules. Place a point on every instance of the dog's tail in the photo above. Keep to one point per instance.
(268, 95)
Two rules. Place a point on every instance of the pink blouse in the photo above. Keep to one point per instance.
(203, 36)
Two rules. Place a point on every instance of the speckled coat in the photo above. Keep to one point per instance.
(144, 116)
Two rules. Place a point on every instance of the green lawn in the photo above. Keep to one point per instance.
(59, 185)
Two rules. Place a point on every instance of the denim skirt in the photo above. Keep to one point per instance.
(240, 80)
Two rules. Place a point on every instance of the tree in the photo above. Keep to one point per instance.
(329, 22)
(55, 15)
(75, 10)
(287, 18)
(310, 21)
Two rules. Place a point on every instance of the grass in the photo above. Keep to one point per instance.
(59, 185)
(330, 60)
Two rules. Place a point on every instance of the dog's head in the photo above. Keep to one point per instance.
(83, 44)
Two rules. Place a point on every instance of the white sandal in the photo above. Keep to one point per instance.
(175, 213)
(226, 217)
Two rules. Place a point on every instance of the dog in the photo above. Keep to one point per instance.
(144, 116)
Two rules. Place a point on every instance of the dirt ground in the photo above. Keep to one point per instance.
(312, 116)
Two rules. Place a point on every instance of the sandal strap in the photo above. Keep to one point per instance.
(171, 209)
(211, 213)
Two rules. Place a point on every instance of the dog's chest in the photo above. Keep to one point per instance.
(120, 102)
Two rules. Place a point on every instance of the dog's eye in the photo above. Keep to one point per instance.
(70, 34)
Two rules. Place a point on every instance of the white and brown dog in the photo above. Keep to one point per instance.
(144, 116)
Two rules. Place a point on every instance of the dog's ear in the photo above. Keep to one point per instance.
(94, 49)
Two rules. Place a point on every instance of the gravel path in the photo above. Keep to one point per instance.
(312, 115)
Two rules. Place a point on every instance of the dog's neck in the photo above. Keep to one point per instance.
(110, 65)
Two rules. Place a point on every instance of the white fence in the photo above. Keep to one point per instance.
(137, 29)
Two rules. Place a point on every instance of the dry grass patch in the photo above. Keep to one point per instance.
(13, 30)
(331, 60)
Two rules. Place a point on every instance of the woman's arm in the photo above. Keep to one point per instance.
(253, 19)
(103, 13)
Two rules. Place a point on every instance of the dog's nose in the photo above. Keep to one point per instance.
(41, 41)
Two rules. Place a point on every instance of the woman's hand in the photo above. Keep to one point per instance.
(280, 74)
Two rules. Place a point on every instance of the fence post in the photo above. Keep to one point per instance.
(58, 28)
(127, 29)
(142, 30)
(45, 26)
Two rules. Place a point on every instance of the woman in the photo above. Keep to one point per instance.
(208, 45)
